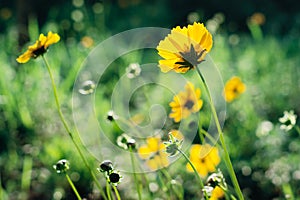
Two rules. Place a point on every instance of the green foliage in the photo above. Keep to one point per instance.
(32, 137)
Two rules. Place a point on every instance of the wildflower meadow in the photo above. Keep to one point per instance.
(134, 100)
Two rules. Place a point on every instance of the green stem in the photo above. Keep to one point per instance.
(178, 193)
(213, 140)
(288, 192)
(108, 191)
(222, 140)
(194, 169)
(65, 124)
(73, 187)
(134, 174)
(297, 129)
(116, 192)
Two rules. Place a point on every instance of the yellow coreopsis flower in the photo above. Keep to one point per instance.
(186, 102)
(39, 47)
(154, 153)
(184, 48)
(217, 193)
(233, 89)
(205, 158)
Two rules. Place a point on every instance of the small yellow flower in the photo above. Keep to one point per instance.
(205, 158)
(40, 47)
(154, 153)
(184, 48)
(217, 193)
(233, 89)
(186, 102)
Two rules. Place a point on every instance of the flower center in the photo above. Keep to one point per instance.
(191, 58)
(39, 51)
(189, 104)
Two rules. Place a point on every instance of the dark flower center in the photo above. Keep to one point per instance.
(191, 58)
(106, 166)
(40, 51)
(114, 177)
(189, 104)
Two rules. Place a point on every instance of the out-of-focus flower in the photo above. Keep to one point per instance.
(217, 193)
(88, 87)
(184, 48)
(205, 158)
(258, 18)
(264, 128)
(111, 116)
(133, 70)
(87, 41)
(186, 102)
(126, 142)
(40, 47)
(288, 120)
(5, 13)
(154, 153)
(234, 87)
(279, 171)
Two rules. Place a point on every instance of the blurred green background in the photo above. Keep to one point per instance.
(258, 41)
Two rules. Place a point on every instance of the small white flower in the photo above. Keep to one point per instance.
(133, 70)
(288, 120)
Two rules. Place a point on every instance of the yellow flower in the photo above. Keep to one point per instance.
(184, 48)
(176, 134)
(217, 193)
(186, 102)
(40, 47)
(233, 88)
(154, 153)
(205, 158)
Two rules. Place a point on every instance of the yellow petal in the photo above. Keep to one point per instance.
(51, 39)
(25, 57)
(144, 152)
(153, 143)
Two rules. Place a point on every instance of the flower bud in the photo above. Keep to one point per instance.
(106, 166)
(62, 166)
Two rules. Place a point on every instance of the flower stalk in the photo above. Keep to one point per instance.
(73, 187)
(66, 126)
(134, 174)
(222, 140)
(194, 169)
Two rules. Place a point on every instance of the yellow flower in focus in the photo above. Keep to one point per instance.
(184, 48)
(205, 158)
(217, 193)
(40, 47)
(154, 153)
(186, 102)
(233, 89)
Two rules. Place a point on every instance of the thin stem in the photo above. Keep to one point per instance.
(202, 131)
(73, 187)
(169, 179)
(108, 191)
(116, 192)
(195, 171)
(65, 124)
(222, 140)
(134, 174)
(297, 129)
